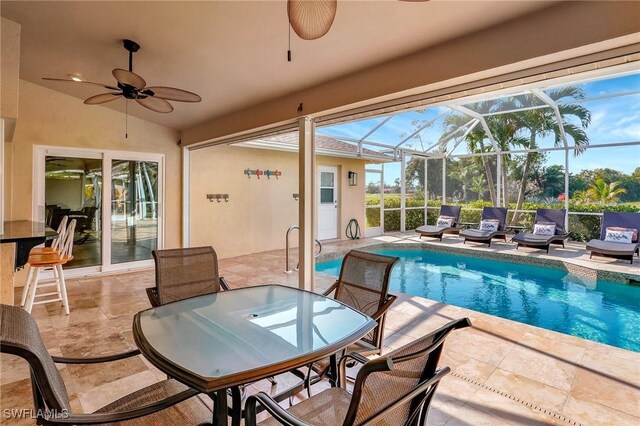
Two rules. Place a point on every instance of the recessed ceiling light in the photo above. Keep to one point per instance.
(74, 77)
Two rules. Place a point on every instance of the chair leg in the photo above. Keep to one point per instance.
(63, 288)
(27, 282)
(32, 290)
(56, 277)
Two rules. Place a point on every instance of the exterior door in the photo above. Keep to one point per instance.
(328, 206)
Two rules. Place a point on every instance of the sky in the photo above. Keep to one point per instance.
(613, 120)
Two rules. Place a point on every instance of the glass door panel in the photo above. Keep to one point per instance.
(73, 188)
(373, 201)
(134, 210)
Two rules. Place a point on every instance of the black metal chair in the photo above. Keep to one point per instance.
(185, 273)
(166, 402)
(395, 389)
(363, 285)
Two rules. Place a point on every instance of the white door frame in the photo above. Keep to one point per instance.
(107, 156)
(336, 197)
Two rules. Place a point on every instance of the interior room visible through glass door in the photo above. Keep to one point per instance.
(73, 187)
(134, 210)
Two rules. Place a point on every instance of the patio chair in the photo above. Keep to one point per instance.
(363, 285)
(619, 250)
(396, 388)
(166, 402)
(49, 260)
(555, 217)
(185, 273)
(435, 231)
(485, 236)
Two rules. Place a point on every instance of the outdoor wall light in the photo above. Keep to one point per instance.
(353, 178)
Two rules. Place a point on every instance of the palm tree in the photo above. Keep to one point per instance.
(605, 193)
(478, 186)
(541, 122)
(475, 144)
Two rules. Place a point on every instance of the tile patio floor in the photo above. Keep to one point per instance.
(503, 372)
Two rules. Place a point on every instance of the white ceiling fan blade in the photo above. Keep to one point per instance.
(68, 80)
(129, 78)
(102, 98)
(155, 104)
(172, 94)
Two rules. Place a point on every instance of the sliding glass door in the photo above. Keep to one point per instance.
(73, 188)
(134, 210)
(115, 197)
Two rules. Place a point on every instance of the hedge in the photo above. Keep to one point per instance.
(583, 227)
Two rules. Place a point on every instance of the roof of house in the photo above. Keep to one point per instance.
(324, 145)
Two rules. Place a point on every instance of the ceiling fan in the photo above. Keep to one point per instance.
(312, 19)
(131, 86)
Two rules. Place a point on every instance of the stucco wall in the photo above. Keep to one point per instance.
(47, 117)
(9, 69)
(259, 211)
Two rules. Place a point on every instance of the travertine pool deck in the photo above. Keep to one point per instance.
(503, 372)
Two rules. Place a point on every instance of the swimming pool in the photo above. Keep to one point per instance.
(604, 311)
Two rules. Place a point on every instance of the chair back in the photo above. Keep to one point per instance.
(19, 335)
(397, 388)
(556, 216)
(451, 211)
(498, 213)
(62, 228)
(619, 219)
(364, 285)
(185, 273)
(66, 245)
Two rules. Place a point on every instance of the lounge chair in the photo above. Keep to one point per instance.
(435, 231)
(618, 250)
(540, 241)
(394, 389)
(498, 214)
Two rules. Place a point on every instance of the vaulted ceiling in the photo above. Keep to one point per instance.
(232, 53)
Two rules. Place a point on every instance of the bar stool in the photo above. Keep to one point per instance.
(55, 247)
(53, 261)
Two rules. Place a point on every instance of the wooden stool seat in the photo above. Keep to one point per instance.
(48, 259)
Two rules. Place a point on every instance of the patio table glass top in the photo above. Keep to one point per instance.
(217, 336)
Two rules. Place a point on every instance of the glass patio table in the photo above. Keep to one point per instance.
(219, 341)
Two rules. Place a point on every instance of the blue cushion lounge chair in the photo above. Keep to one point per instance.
(556, 216)
(438, 231)
(617, 250)
(480, 236)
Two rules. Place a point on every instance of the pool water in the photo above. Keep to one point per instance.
(604, 311)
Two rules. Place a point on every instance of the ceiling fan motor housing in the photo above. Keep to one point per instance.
(130, 45)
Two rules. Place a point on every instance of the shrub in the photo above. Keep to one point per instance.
(583, 227)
